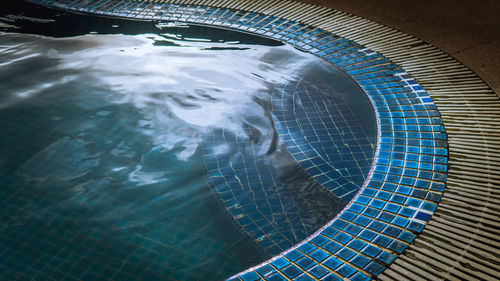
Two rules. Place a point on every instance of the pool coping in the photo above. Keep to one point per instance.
(459, 96)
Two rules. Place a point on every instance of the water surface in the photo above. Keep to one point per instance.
(103, 173)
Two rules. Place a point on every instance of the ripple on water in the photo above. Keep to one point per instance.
(102, 171)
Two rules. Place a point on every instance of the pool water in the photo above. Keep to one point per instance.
(136, 150)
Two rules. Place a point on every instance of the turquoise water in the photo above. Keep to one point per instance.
(103, 120)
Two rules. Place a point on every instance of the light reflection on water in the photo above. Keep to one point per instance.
(197, 87)
(100, 139)
(101, 170)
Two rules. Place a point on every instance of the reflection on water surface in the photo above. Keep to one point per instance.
(102, 172)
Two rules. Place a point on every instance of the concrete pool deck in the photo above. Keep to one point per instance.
(467, 30)
(460, 241)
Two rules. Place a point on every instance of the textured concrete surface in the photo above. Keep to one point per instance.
(469, 30)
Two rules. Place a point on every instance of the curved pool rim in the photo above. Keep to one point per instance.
(459, 96)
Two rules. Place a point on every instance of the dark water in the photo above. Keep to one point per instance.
(102, 121)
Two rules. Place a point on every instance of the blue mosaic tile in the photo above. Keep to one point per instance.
(305, 263)
(331, 277)
(332, 247)
(303, 277)
(275, 277)
(360, 277)
(374, 268)
(346, 270)
(250, 276)
(318, 255)
(346, 254)
(332, 263)
(397, 247)
(294, 255)
(343, 238)
(306, 248)
(319, 240)
(357, 244)
(265, 270)
(329, 232)
(291, 271)
(371, 251)
(360, 261)
(386, 258)
(280, 263)
(318, 271)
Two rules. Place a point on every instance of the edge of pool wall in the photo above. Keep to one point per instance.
(460, 241)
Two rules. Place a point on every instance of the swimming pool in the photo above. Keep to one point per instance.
(375, 236)
(173, 151)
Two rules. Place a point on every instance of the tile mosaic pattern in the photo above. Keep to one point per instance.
(324, 135)
(68, 249)
(51, 234)
(276, 208)
(407, 180)
(281, 206)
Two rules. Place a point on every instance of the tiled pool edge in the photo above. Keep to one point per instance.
(438, 74)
